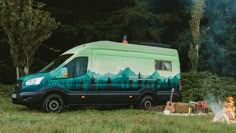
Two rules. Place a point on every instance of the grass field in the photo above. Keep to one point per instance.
(15, 119)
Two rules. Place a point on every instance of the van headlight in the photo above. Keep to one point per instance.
(34, 81)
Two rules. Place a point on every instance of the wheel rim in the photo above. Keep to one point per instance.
(54, 105)
(147, 104)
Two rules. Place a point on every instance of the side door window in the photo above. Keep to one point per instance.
(77, 67)
(81, 66)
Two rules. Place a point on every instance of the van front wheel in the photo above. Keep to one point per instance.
(53, 103)
(146, 102)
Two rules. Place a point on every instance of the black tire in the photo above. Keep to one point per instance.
(146, 102)
(53, 103)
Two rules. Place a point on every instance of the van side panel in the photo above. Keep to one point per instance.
(117, 75)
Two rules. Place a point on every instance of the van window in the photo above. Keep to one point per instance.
(70, 67)
(77, 67)
(163, 65)
(54, 64)
(81, 66)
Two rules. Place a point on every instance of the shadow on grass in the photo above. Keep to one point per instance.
(21, 108)
(158, 108)
(99, 108)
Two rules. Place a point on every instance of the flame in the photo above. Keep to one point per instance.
(229, 107)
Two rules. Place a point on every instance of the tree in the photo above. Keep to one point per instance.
(138, 22)
(219, 38)
(26, 27)
(132, 18)
(196, 16)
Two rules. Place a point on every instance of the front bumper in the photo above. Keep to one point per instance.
(27, 98)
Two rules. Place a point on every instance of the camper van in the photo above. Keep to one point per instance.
(103, 73)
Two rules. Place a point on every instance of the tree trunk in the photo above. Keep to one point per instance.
(17, 73)
(195, 23)
(26, 70)
(194, 57)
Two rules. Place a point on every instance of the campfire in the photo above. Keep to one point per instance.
(224, 112)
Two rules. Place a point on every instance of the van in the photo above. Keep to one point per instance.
(103, 73)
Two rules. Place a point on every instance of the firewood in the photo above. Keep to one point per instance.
(183, 107)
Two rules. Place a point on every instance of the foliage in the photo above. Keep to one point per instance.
(219, 37)
(5, 90)
(142, 20)
(6, 72)
(134, 20)
(182, 45)
(196, 86)
(26, 27)
(137, 22)
(196, 16)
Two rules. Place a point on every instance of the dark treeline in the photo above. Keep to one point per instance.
(164, 21)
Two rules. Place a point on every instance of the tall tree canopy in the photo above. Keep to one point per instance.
(26, 27)
(196, 16)
(219, 39)
(165, 21)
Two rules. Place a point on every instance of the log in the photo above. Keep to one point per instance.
(183, 107)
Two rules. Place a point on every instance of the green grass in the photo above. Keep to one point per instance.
(15, 119)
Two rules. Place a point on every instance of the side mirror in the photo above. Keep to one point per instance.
(64, 73)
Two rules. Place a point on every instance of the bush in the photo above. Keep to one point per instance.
(196, 86)
(5, 90)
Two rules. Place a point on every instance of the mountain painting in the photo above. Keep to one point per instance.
(125, 80)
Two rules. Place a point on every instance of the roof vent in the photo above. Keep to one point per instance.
(125, 40)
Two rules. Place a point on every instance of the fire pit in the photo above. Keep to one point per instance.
(224, 112)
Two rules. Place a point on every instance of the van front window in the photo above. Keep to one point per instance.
(57, 62)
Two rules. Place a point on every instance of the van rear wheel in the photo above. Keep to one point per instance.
(53, 103)
(146, 102)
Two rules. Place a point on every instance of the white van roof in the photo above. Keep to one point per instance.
(110, 45)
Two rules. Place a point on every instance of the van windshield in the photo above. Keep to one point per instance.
(55, 63)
